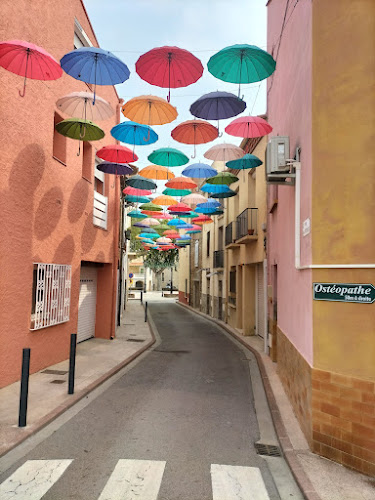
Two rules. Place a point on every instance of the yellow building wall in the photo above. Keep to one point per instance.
(343, 185)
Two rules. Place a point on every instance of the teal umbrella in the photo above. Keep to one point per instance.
(139, 182)
(168, 157)
(136, 214)
(176, 192)
(224, 194)
(247, 161)
(222, 178)
(241, 64)
(136, 199)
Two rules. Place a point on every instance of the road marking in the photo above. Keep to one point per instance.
(237, 483)
(134, 480)
(33, 479)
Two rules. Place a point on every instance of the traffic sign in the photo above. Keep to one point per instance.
(131, 275)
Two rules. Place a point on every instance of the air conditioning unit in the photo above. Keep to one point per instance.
(277, 154)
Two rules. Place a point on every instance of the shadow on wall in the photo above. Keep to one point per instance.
(78, 200)
(48, 213)
(88, 234)
(65, 251)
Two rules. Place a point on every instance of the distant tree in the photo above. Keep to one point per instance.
(135, 244)
(157, 261)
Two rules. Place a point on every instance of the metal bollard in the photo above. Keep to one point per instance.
(24, 387)
(146, 311)
(72, 362)
(141, 297)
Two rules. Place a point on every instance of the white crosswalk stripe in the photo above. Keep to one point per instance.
(33, 479)
(134, 479)
(231, 482)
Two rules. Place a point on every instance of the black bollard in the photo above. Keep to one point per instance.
(24, 387)
(146, 312)
(72, 362)
(141, 296)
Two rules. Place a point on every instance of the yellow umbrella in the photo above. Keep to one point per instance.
(149, 110)
(157, 172)
(165, 200)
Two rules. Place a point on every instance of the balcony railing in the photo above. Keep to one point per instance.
(218, 258)
(230, 235)
(247, 223)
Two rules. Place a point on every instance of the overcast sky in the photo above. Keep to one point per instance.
(129, 28)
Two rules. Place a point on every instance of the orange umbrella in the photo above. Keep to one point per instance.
(165, 200)
(157, 172)
(181, 183)
(149, 110)
(195, 132)
(202, 219)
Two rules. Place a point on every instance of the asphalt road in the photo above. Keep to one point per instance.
(174, 420)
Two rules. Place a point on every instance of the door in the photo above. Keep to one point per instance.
(260, 325)
(87, 304)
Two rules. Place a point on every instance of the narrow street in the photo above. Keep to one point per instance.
(179, 425)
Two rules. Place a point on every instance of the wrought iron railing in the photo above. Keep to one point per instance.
(218, 258)
(230, 233)
(247, 223)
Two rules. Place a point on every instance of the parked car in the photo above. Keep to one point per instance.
(168, 287)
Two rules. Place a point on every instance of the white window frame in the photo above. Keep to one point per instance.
(196, 253)
(52, 295)
(80, 37)
(100, 212)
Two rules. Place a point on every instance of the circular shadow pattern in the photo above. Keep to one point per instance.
(48, 213)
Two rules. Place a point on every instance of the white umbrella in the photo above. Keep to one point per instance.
(194, 199)
(163, 240)
(224, 152)
(80, 105)
(150, 221)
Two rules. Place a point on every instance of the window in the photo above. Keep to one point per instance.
(208, 243)
(232, 281)
(59, 141)
(87, 161)
(80, 37)
(50, 295)
(162, 276)
(196, 253)
(99, 180)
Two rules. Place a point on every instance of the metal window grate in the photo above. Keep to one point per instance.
(52, 295)
(268, 450)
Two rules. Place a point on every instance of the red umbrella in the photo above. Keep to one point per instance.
(202, 219)
(181, 183)
(28, 60)
(136, 192)
(180, 207)
(195, 132)
(116, 154)
(169, 67)
(248, 126)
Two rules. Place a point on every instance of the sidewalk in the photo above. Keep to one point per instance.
(318, 477)
(96, 361)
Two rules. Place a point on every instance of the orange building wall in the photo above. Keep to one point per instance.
(46, 207)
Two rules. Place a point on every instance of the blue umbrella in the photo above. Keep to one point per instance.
(217, 106)
(134, 133)
(215, 188)
(206, 211)
(199, 171)
(115, 168)
(177, 222)
(184, 237)
(224, 194)
(149, 230)
(188, 226)
(96, 66)
(209, 204)
(247, 161)
(136, 199)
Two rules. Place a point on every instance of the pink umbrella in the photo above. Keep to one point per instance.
(116, 153)
(135, 191)
(248, 126)
(28, 60)
(179, 207)
(224, 152)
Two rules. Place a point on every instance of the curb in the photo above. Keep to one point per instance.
(59, 410)
(289, 453)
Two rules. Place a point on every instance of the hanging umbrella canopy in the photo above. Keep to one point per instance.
(179, 207)
(114, 168)
(139, 224)
(150, 222)
(145, 234)
(215, 188)
(136, 199)
(247, 161)
(199, 171)
(134, 133)
(151, 207)
(185, 215)
(115, 153)
(140, 183)
(224, 152)
(157, 172)
(149, 110)
(218, 211)
(248, 126)
(206, 211)
(136, 214)
(176, 192)
(28, 60)
(241, 64)
(223, 178)
(96, 66)
(165, 200)
(81, 130)
(194, 199)
(209, 203)
(171, 233)
(149, 230)
(136, 191)
(217, 106)
(224, 194)
(163, 240)
(161, 215)
(169, 67)
(80, 104)
(181, 183)
(202, 219)
(177, 223)
(168, 157)
(185, 237)
(195, 132)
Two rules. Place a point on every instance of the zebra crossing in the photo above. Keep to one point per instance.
(132, 480)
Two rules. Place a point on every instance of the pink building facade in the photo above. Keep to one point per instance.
(57, 208)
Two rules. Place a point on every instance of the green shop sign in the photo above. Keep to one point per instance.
(345, 292)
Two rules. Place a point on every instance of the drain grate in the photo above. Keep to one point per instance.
(55, 372)
(135, 340)
(268, 450)
(57, 381)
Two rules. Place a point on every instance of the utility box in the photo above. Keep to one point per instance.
(277, 155)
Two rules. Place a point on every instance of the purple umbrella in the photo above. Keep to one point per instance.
(217, 106)
(115, 168)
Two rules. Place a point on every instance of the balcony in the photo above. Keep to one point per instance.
(247, 226)
(218, 259)
(230, 236)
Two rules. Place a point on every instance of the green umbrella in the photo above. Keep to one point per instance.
(168, 157)
(241, 64)
(162, 227)
(139, 182)
(176, 192)
(82, 130)
(151, 207)
(222, 178)
(247, 161)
